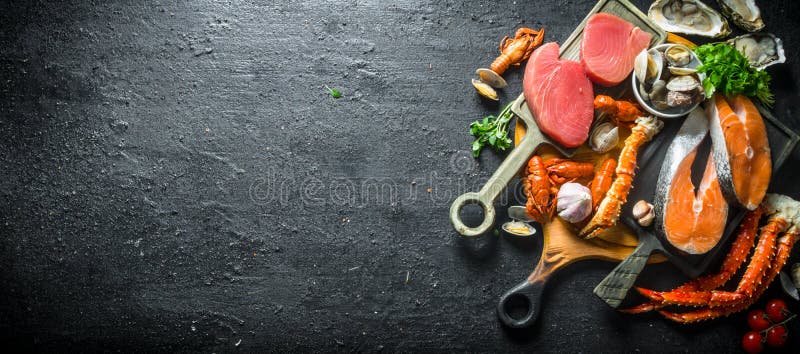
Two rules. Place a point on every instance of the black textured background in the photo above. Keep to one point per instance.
(173, 176)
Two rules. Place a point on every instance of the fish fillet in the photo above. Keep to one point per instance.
(609, 48)
(694, 219)
(741, 148)
(559, 95)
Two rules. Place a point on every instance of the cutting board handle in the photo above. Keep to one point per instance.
(527, 295)
(616, 284)
(497, 183)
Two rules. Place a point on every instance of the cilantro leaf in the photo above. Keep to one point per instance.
(334, 92)
(728, 71)
(492, 131)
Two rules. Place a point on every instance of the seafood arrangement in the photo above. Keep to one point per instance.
(701, 192)
(666, 81)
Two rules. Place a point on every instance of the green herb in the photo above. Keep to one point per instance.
(728, 71)
(492, 131)
(496, 233)
(333, 92)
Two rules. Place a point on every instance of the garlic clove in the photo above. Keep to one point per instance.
(574, 202)
(643, 213)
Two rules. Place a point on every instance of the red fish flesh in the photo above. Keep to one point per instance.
(559, 95)
(609, 47)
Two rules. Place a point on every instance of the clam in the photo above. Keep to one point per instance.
(485, 90)
(684, 83)
(744, 13)
(604, 137)
(681, 71)
(648, 65)
(518, 228)
(680, 99)
(678, 55)
(688, 17)
(796, 275)
(761, 49)
(491, 78)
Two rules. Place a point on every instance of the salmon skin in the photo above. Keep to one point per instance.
(692, 219)
(559, 95)
(609, 48)
(741, 149)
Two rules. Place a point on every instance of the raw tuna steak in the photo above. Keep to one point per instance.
(609, 47)
(741, 149)
(560, 96)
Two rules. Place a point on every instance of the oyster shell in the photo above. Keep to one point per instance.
(744, 13)
(762, 49)
(688, 17)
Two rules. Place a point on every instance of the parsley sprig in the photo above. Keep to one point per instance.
(728, 71)
(492, 131)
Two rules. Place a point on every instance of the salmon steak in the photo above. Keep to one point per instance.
(609, 48)
(559, 95)
(741, 149)
(694, 218)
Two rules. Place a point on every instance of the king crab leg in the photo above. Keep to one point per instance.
(735, 258)
(753, 276)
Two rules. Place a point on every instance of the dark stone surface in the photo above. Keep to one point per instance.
(175, 177)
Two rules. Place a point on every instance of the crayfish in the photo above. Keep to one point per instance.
(512, 52)
(544, 179)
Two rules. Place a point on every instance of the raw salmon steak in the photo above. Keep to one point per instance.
(559, 95)
(609, 47)
(741, 149)
(694, 218)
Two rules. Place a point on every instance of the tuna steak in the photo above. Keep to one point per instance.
(741, 149)
(559, 95)
(609, 47)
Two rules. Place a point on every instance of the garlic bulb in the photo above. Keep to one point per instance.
(574, 202)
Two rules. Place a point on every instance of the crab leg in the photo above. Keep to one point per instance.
(753, 276)
(735, 258)
(785, 245)
(608, 211)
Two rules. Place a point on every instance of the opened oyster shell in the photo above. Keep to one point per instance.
(762, 49)
(744, 13)
(688, 17)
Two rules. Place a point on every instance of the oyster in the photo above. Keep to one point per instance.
(744, 13)
(689, 17)
(762, 49)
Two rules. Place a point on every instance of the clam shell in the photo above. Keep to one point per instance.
(604, 137)
(683, 83)
(485, 90)
(681, 71)
(491, 78)
(678, 55)
(518, 228)
(796, 275)
(648, 65)
(680, 99)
